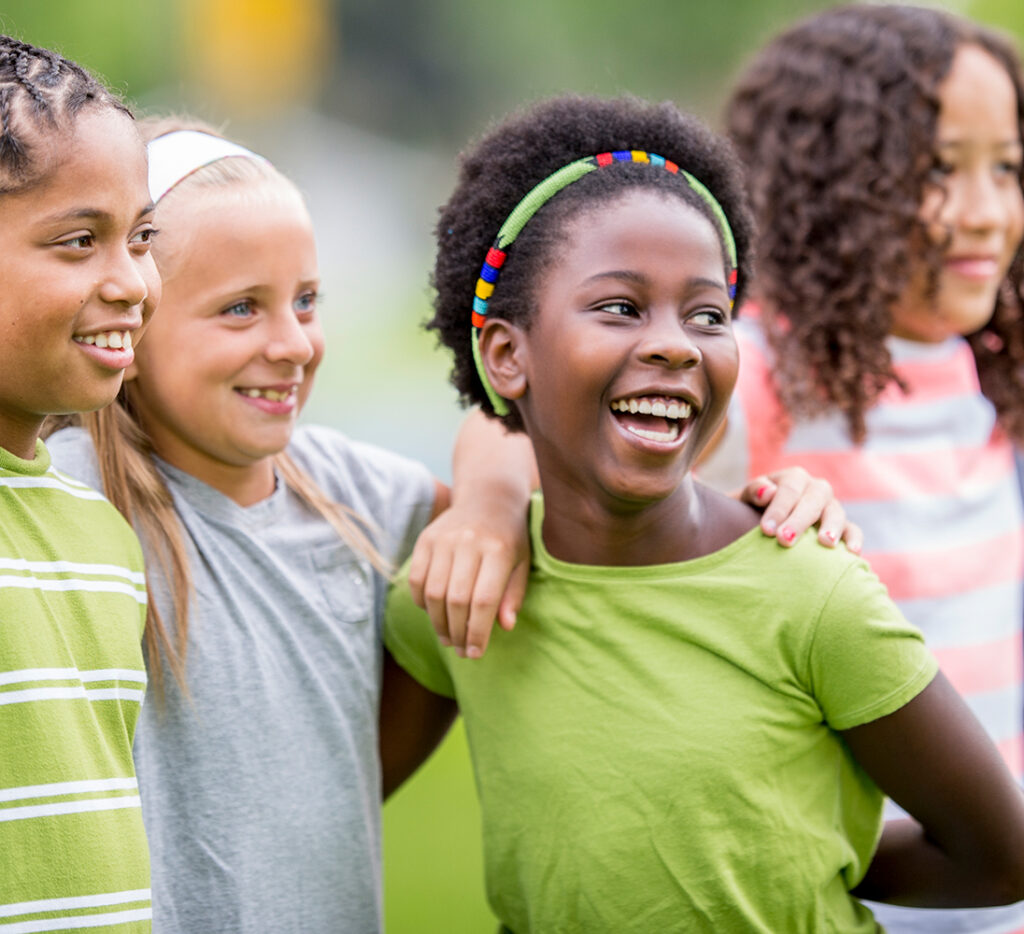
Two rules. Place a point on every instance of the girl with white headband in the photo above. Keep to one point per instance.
(268, 549)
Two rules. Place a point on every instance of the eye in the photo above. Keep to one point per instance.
(708, 318)
(81, 242)
(239, 310)
(307, 302)
(144, 237)
(941, 169)
(620, 308)
(1008, 167)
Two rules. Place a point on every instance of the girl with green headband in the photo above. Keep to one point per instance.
(690, 729)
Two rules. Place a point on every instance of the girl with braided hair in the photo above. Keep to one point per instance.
(77, 286)
(690, 729)
(884, 345)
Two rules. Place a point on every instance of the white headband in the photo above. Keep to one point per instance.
(176, 155)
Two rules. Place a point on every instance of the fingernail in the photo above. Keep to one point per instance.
(473, 652)
(761, 492)
(444, 640)
(829, 536)
(769, 526)
(787, 535)
(460, 651)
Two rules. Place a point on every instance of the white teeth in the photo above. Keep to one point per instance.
(646, 407)
(663, 436)
(114, 340)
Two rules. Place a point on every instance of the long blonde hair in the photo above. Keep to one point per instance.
(132, 482)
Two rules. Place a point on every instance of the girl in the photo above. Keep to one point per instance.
(266, 545)
(689, 729)
(78, 288)
(885, 349)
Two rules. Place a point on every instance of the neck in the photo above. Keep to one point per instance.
(246, 485)
(581, 530)
(19, 436)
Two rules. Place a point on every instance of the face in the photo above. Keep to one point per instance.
(630, 359)
(974, 207)
(79, 282)
(230, 358)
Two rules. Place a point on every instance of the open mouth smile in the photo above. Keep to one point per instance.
(653, 418)
(106, 340)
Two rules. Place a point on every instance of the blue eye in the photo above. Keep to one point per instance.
(306, 302)
(239, 310)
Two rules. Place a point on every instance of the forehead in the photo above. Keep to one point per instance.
(97, 159)
(977, 98)
(644, 228)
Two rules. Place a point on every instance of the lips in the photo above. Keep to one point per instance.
(976, 267)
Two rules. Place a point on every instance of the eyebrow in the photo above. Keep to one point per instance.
(80, 214)
(629, 275)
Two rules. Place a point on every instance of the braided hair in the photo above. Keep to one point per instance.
(525, 149)
(40, 92)
(835, 121)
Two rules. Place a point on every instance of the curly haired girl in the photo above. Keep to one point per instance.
(689, 728)
(884, 347)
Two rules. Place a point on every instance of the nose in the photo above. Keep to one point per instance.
(287, 339)
(983, 203)
(124, 282)
(667, 343)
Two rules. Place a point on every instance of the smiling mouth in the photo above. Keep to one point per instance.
(654, 418)
(107, 340)
(273, 395)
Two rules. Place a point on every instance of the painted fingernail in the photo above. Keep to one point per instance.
(473, 652)
(761, 492)
(769, 526)
(829, 536)
(787, 535)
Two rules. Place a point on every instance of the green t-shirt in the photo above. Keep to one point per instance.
(73, 850)
(655, 747)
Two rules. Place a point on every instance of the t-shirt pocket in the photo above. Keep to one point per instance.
(345, 582)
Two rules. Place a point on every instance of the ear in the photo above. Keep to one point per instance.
(503, 353)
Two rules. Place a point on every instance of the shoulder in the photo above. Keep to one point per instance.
(332, 458)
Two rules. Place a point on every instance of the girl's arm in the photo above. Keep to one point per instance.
(413, 721)
(965, 846)
(470, 565)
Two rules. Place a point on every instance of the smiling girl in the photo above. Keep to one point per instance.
(78, 287)
(690, 729)
(884, 346)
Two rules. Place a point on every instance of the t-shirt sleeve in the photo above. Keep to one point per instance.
(866, 660)
(411, 640)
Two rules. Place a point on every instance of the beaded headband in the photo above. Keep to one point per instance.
(176, 155)
(532, 203)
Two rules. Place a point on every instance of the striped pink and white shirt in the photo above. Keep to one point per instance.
(935, 489)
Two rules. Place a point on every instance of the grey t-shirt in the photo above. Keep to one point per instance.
(261, 791)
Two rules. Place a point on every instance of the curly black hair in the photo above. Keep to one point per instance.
(835, 121)
(525, 149)
(39, 91)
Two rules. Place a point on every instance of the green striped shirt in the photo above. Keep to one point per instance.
(73, 851)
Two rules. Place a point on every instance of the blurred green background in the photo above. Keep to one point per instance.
(365, 103)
